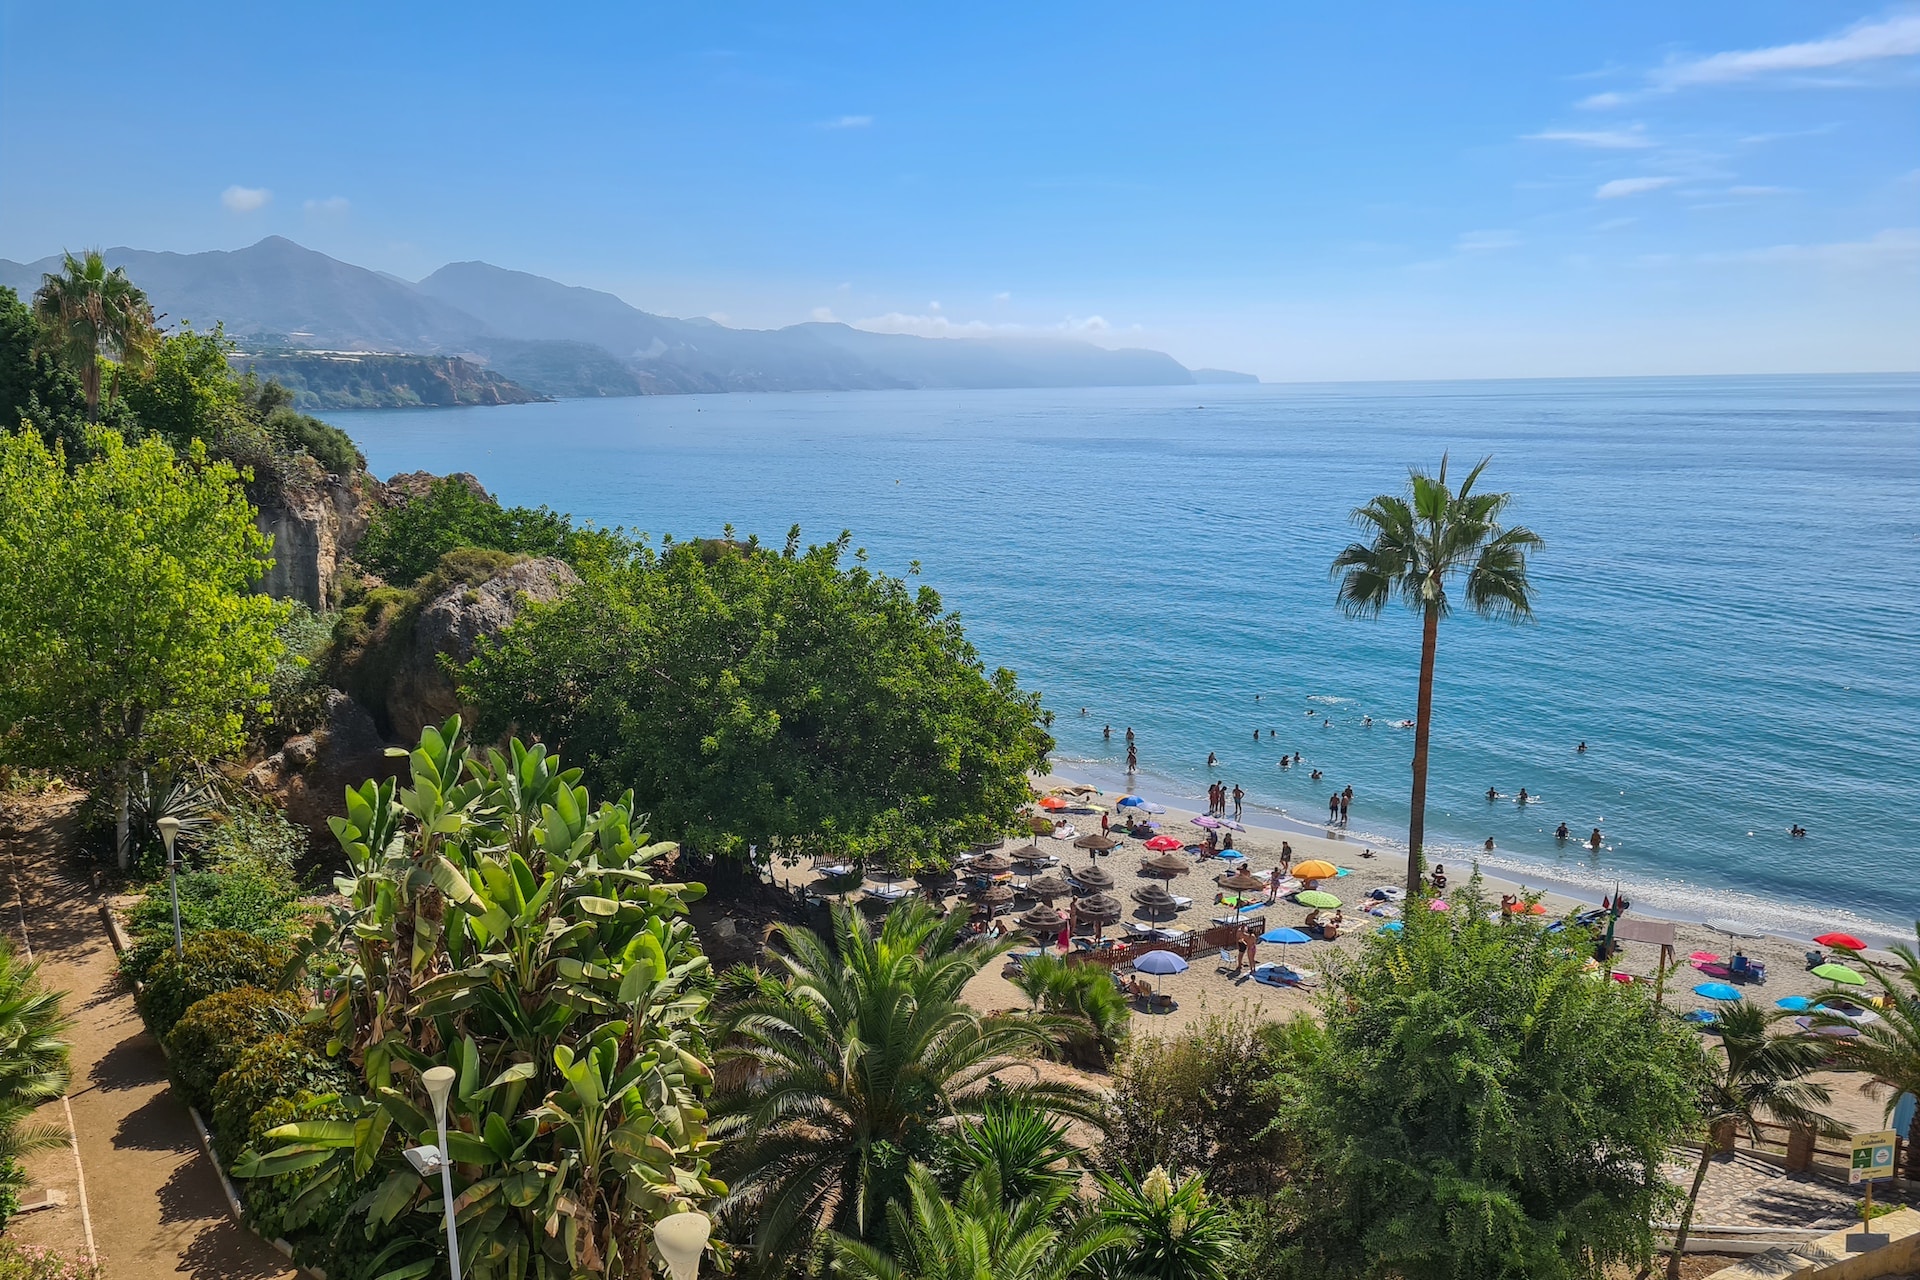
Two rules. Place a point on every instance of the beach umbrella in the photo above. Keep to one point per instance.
(1162, 843)
(1051, 803)
(1794, 1004)
(1839, 973)
(1154, 899)
(1129, 802)
(1705, 957)
(991, 864)
(1096, 844)
(1439, 904)
(1093, 878)
(1099, 909)
(1167, 864)
(1285, 935)
(996, 895)
(1208, 821)
(1846, 940)
(1525, 909)
(1029, 855)
(1049, 886)
(1717, 991)
(1160, 963)
(1040, 826)
(1314, 869)
(1315, 898)
(1043, 920)
(1391, 926)
(1240, 880)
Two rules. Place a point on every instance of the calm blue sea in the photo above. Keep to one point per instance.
(1729, 601)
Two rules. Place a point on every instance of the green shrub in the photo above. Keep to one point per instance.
(12, 1178)
(214, 1032)
(279, 1067)
(1085, 993)
(215, 961)
(255, 837)
(31, 1262)
(322, 1227)
(403, 543)
(328, 445)
(264, 905)
(297, 687)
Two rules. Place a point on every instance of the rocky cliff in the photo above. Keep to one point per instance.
(314, 528)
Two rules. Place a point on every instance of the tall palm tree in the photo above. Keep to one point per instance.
(33, 1062)
(1753, 1076)
(858, 1053)
(979, 1236)
(86, 312)
(1420, 543)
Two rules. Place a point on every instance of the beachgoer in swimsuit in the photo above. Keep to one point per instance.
(1316, 775)
(1285, 761)
(1107, 733)
(1439, 876)
(1333, 807)
(1593, 841)
(1273, 885)
(1238, 797)
(1489, 845)
(1296, 757)
(1492, 795)
(1345, 800)
(1522, 797)
(1560, 833)
(1582, 748)
(1286, 855)
(1210, 760)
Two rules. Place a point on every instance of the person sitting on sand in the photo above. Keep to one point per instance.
(1439, 876)
(1331, 929)
(1229, 844)
(1312, 924)
(1366, 853)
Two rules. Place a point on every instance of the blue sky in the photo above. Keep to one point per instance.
(1305, 192)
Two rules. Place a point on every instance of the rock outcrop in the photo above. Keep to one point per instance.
(309, 775)
(314, 528)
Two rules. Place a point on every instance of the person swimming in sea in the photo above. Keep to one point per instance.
(1316, 772)
(1492, 795)
(1522, 797)
(1366, 722)
(1210, 760)
(1582, 748)
(1797, 831)
(1561, 833)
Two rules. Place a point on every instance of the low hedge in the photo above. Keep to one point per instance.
(212, 962)
(279, 1067)
(211, 1035)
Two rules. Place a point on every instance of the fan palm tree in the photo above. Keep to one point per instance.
(978, 1236)
(1419, 544)
(1753, 1076)
(1096, 1013)
(858, 1054)
(33, 1062)
(1886, 1050)
(86, 312)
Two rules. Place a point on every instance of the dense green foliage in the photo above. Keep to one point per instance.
(33, 1069)
(297, 686)
(31, 1262)
(88, 315)
(1175, 1230)
(783, 703)
(1083, 993)
(1420, 544)
(211, 1035)
(282, 1066)
(406, 541)
(1487, 1105)
(496, 921)
(211, 962)
(861, 1053)
(36, 389)
(127, 612)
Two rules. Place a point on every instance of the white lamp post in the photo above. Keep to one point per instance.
(439, 1082)
(170, 830)
(681, 1239)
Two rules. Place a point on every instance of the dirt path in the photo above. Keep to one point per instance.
(152, 1204)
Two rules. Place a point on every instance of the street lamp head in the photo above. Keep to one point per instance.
(169, 827)
(439, 1082)
(681, 1239)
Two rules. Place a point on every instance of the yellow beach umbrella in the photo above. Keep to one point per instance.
(1314, 869)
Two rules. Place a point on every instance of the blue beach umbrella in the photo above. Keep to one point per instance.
(1797, 1004)
(1128, 802)
(1716, 991)
(1160, 962)
(1700, 1017)
(1284, 934)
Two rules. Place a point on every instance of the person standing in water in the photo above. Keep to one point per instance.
(1238, 797)
(1211, 760)
(1107, 733)
(1561, 833)
(1346, 798)
(1593, 841)
(1133, 759)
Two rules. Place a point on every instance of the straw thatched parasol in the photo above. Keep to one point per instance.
(995, 895)
(1030, 853)
(1043, 920)
(1093, 878)
(1096, 845)
(990, 864)
(1167, 864)
(987, 846)
(1049, 886)
(1240, 880)
(1099, 909)
(1155, 899)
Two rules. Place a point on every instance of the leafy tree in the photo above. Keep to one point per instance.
(1175, 1230)
(33, 1066)
(778, 703)
(1487, 1106)
(1084, 994)
(859, 1054)
(978, 1235)
(130, 631)
(87, 312)
(36, 390)
(498, 922)
(187, 392)
(405, 542)
(1419, 543)
(1753, 1076)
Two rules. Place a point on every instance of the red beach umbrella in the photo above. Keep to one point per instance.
(1846, 940)
(1163, 844)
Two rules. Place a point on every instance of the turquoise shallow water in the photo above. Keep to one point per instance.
(1729, 603)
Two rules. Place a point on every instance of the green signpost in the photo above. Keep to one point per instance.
(1872, 1160)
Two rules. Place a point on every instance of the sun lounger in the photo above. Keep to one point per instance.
(1281, 975)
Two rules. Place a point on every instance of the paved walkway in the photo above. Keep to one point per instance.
(1743, 1191)
(139, 1190)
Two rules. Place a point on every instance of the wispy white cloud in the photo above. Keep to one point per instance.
(1603, 101)
(1894, 247)
(936, 324)
(1621, 187)
(1485, 241)
(1633, 139)
(848, 122)
(1869, 41)
(332, 206)
(822, 315)
(1003, 296)
(245, 199)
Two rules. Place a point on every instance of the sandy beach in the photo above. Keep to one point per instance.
(1208, 987)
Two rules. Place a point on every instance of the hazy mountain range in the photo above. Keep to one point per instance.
(561, 340)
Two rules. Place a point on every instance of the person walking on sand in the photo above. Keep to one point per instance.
(1103, 824)
(1286, 856)
(1239, 798)
(1273, 885)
